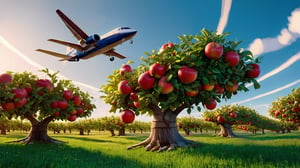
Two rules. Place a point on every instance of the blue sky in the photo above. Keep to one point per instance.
(268, 28)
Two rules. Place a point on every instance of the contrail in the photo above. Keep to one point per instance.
(226, 5)
(282, 67)
(268, 93)
(38, 66)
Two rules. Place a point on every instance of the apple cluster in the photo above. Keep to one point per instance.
(287, 108)
(24, 94)
(242, 116)
(201, 70)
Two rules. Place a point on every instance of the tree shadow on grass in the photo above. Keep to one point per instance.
(246, 155)
(85, 139)
(59, 156)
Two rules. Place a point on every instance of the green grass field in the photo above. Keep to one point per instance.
(100, 150)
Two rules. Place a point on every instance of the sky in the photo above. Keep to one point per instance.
(268, 28)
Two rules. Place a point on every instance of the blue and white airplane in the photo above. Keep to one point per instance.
(90, 46)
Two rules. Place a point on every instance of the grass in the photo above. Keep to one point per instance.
(100, 150)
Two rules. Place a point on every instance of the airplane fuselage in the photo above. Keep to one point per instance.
(107, 42)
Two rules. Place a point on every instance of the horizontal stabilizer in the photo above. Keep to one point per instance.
(64, 57)
(113, 53)
(72, 45)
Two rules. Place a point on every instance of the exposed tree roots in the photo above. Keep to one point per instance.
(164, 133)
(226, 131)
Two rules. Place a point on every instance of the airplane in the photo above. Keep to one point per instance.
(90, 46)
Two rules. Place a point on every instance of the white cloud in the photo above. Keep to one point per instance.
(226, 5)
(286, 37)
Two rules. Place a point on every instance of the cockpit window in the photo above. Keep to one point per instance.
(122, 28)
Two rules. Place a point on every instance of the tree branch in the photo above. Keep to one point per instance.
(48, 119)
(156, 110)
(31, 119)
(180, 108)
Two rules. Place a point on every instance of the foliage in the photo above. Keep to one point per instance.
(241, 115)
(39, 96)
(287, 108)
(189, 52)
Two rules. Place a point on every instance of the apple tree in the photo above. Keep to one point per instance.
(25, 96)
(199, 70)
(287, 109)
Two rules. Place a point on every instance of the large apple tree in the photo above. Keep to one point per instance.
(287, 109)
(199, 70)
(25, 96)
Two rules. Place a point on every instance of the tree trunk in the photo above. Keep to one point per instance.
(186, 131)
(3, 130)
(121, 131)
(38, 131)
(226, 131)
(112, 132)
(262, 131)
(81, 131)
(164, 133)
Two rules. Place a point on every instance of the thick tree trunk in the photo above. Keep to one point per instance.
(226, 131)
(38, 131)
(164, 133)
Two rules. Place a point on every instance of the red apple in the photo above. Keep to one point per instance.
(166, 87)
(136, 104)
(232, 88)
(187, 75)
(5, 78)
(43, 82)
(277, 113)
(21, 102)
(146, 81)
(125, 69)
(221, 120)
(213, 50)
(19, 93)
(28, 89)
(54, 104)
(133, 96)
(8, 106)
(72, 112)
(79, 111)
(208, 87)
(219, 89)
(56, 114)
(283, 115)
(167, 45)
(72, 117)
(76, 100)
(232, 115)
(127, 116)
(254, 71)
(124, 88)
(192, 93)
(232, 58)
(211, 104)
(68, 94)
(157, 70)
(62, 104)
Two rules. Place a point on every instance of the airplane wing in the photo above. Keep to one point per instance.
(76, 31)
(72, 45)
(113, 53)
(64, 57)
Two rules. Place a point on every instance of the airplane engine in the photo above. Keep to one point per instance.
(92, 39)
